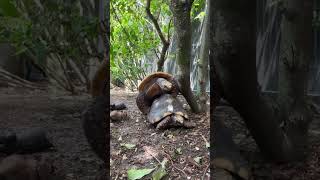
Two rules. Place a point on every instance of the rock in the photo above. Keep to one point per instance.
(118, 115)
(117, 106)
(18, 167)
(30, 141)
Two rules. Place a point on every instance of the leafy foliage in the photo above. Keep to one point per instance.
(7, 8)
(62, 31)
(133, 37)
(198, 6)
(138, 173)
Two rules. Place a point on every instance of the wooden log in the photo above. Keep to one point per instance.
(11, 80)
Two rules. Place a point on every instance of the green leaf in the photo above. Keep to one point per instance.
(7, 8)
(128, 146)
(20, 50)
(200, 16)
(138, 173)
(159, 174)
(198, 160)
(207, 145)
(164, 162)
(178, 151)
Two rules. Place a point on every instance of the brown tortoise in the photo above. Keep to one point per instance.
(94, 118)
(153, 86)
(158, 99)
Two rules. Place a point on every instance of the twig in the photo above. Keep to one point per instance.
(153, 156)
(170, 22)
(204, 138)
(172, 164)
(117, 176)
(205, 171)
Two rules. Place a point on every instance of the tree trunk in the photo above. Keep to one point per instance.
(182, 25)
(162, 58)
(296, 45)
(226, 160)
(234, 45)
(203, 63)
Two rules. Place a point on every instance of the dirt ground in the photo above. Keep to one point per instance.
(59, 114)
(309, 169)
(181, 147)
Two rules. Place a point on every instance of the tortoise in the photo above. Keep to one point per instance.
(154, 86)
(167, 111)
(95, 125)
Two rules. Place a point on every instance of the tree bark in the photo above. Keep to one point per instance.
(182, 24)
(226, 160)
(296, 45)
(234, 45)
(204, 59)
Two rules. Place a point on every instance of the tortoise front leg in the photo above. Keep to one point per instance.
(164, 124)
(175, 121)
(180, 121)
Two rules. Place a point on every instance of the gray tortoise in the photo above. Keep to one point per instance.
(167, 111)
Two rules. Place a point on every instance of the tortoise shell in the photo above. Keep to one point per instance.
(148, 90)
(152, 78)
(164, 106)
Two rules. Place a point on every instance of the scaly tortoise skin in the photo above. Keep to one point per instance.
(167, 111)
(149, 90)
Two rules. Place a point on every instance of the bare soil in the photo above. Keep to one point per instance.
(177, 145)
(59, 114)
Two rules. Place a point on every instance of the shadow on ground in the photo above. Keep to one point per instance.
(60, 115)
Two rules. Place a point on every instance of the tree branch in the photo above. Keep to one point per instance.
(156, 24)
(165, 42)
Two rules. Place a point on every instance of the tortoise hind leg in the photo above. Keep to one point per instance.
(189, 124)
